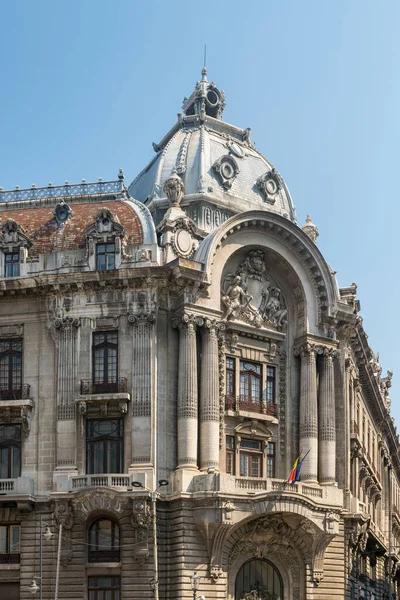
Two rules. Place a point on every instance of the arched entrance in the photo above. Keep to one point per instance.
(258, 579)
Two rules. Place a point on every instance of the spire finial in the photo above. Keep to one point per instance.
(204, 69)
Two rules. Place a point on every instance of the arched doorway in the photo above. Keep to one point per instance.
(258, 579)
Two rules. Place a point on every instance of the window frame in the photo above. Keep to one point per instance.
(8, 557)
(12, 391)
(250, 379)
(10, 444)
(112, 554)
(230, 464)
(270, 460)
(110, 384)
(114, 588)
(92, 447)
(15, 262)
(107, 254)
(248, 455)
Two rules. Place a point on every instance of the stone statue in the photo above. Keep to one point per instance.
(174, 189)
(271, 308)
(235, 298)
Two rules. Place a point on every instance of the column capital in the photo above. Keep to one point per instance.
(64, 322)
(327, 351)
(187, 320)
(307, 348)
(143, 317)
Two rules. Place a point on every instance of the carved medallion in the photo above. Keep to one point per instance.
(270, 184)
(227, 169)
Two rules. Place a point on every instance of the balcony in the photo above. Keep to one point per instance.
(19, 393)
(116, 386)
(16, 487)
(103, 396)
(246, 404)
(74, 483)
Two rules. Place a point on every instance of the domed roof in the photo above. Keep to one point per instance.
(222, 171)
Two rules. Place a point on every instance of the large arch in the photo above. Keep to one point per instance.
(301, 257)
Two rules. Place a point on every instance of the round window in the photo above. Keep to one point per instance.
(212, 98)
(227, 170)
(271, 186)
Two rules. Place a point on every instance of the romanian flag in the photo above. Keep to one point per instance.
(294, 476)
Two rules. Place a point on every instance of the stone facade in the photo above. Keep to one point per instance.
(187, 330)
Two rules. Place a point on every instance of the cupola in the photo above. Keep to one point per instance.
(206, 99)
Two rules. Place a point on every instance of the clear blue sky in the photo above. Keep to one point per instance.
(87, 85)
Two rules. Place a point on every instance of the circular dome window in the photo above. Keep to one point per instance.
(212, 98)
(271, 186)
(227, 170)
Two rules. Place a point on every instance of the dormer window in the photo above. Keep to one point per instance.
(11, 264)
(105, 257)
(14, 244)
(105, 240)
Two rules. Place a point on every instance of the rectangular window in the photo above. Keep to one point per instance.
(11, 264)
(10, 369)
(9, 543)
(271, 397)
(105, 362)
(104, 588)
(230, 377)
(230, 455)
(271, 459)
(104, 446)
(105, 257)
(250, 382)
(10, 451)
(250, 458)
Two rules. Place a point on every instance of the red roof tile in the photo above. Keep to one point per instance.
(40, 225)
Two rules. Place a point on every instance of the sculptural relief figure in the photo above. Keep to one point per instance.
(250, 294)
(272, 310)
(235, 298)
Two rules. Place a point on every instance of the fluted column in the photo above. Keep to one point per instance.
(308, 411)
(143, 367)
(187, 392)
(326, 420)
(67, 345)
(209, 398)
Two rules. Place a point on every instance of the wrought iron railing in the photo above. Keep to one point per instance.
(88, 386)
(63, 191)
(238, 403)
(11, 558)
(18, 393)
(103, 556)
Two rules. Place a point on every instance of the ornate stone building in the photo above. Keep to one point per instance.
(185, 328)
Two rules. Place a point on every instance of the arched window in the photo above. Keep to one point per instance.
(103, 541)
(259, 578)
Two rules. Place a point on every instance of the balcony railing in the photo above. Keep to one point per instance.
(103, 480)
(118, 385)
(103, 556)
(11, 558)
(245, 403)
(18, 486)
(18, 393)
(64, 191)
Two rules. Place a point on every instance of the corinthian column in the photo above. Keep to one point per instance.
(308, 412)
(327, 428)
(209, 398)
(187, 392)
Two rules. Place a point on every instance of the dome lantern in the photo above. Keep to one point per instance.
(206, 99)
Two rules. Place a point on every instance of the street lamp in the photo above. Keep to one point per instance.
(161, 483)
(47, 535)
(195, 583)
